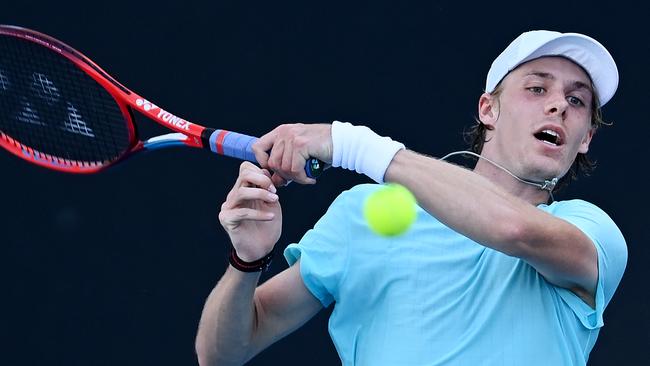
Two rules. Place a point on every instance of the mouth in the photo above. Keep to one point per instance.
(550, 136)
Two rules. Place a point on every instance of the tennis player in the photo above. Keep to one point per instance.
(493, 271)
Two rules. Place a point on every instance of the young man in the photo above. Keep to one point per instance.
(490, 273)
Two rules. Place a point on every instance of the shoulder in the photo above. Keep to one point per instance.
(595, 223)
(608, 239)
(575, 203)
(579, 209)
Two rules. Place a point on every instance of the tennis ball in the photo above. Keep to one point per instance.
(390, 210)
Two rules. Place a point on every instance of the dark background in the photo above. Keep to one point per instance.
(113, 269)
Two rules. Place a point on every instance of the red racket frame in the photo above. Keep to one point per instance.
(125, 99)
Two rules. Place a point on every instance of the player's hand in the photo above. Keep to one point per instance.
(285, 151)
(251, 214)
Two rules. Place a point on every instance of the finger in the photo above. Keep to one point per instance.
(287, 157)
(243, 167)
(278, 180)
(298, 169)
(275, 159)
(249, 175)
(293, 166)
(262, 146)
(245, 194)
(266, 172)
(247, 165)
(247, 169)
(294, 170)
(271, 188)
(235, 216)
(256, 179)
(253, 177)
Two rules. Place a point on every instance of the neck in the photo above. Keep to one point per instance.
(528, 192)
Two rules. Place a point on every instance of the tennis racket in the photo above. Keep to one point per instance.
(59, 110)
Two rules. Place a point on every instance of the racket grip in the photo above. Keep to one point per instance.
(240, 146)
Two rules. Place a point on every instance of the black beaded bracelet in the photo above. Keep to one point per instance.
(259, 265)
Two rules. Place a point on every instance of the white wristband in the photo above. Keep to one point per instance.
(359, 148)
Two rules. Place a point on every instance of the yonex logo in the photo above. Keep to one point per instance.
(145, 104)
(173, 120)
(163, 114)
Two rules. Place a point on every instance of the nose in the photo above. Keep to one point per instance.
(557, 105)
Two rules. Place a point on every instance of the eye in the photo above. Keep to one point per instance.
(536, 89)
(575, 101)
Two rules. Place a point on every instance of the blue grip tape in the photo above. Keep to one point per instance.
(238, 146)
(235, 145)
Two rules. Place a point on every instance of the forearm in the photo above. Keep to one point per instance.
(463, 200)
(228, 320)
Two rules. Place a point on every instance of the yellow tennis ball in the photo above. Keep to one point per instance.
(390, 210)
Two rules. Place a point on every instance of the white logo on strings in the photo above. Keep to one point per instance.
(4, 81)
(75, 123)
(28, 114)
(145, 104)
(45, 88)
(47, 91)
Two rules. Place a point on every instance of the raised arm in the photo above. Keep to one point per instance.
(240, 319)
(484, 212)
(462, 199)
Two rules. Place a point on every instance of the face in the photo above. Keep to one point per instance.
(541, 120)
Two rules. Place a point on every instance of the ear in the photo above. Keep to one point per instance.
(584, 144)
(488, 109)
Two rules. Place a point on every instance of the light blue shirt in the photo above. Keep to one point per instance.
(434, 297)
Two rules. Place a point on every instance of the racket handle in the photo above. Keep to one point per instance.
(238, 145)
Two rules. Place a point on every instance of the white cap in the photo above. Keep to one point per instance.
(584, 51)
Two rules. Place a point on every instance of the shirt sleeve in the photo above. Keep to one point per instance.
(612, 257)
(323, 251)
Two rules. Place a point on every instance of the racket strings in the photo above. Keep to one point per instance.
(52, 108)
